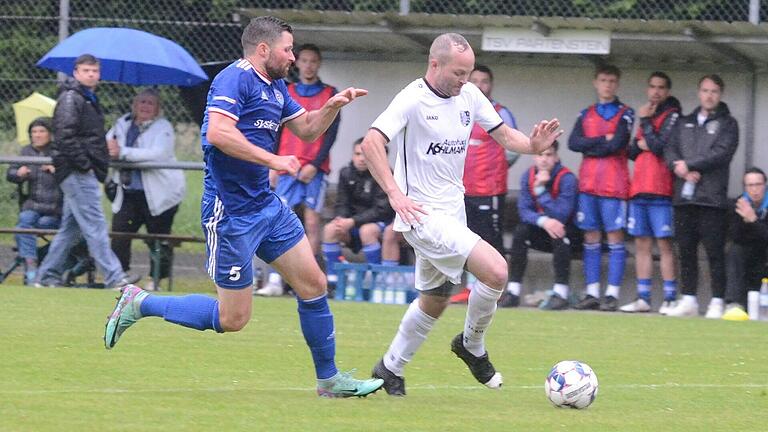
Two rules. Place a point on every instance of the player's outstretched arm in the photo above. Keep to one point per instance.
(543, 135)
(310, 125)
(376, 159)
(223, 133)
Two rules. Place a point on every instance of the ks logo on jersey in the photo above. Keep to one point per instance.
(465, 117)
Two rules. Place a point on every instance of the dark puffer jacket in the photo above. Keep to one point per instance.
(44, 194)
(707, 149)
(359, 197)
(78, 125)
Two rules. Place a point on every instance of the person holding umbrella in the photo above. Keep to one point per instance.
(248, 103)
(80, 160)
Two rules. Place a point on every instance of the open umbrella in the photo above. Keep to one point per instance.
(26, 110)
(127, 56)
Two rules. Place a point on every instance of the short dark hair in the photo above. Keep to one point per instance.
(756, 170)
(484, 69)
(87, 59)
(607, 69)
(358, 141)
(309, 47)
(715, 78)
(662, 75)
(556, 145)
(265, 29)
(45, 122)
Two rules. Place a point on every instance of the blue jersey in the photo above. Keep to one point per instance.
(259, 106)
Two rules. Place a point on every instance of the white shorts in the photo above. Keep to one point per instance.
(442, 245)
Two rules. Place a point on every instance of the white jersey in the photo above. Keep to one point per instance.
(431, 133)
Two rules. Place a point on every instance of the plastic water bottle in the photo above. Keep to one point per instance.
(350, 290)
(764, 300)
(400, 290)
(391, 286)
(688, 189)
(379, 285)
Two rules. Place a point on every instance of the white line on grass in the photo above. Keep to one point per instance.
(415, 387)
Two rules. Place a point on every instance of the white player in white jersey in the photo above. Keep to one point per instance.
(430, 121)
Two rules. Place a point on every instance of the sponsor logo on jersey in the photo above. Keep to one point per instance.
(431, 116)
(447, 147)
(465, 118)
(279, 97)
(266, 124)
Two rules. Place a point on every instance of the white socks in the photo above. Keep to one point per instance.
(561, 290)
(593, 289)
(480, 310)
(612, 291)
(413, 331)
(513, 288)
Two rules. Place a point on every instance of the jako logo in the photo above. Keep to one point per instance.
(266, 124)
(447, 147)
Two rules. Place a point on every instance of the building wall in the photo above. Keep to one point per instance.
(533, 93)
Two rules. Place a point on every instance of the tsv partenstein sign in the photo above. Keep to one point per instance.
(558, 41)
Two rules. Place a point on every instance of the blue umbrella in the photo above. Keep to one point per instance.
(127, 56)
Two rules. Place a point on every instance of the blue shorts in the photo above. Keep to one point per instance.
(601, 213)
(294, 192)
(650, 217)
(354, 233)
(232, 241)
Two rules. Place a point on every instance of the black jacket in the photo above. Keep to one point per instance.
(745, 233)
(707, 149)
(361, 198)
(44, 195)
(78, 125)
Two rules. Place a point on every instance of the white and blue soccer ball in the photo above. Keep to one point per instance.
(571, 384)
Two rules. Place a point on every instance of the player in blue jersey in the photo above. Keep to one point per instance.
(247, 103)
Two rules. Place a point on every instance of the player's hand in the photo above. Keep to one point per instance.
(113, 148)
(345, 96)
(345, 224)
(646, 110)
(745, 210)
(307, 173)
(406, 208)
(48, 168)
(643, 144)
(681, 168)
(542, 178)
(554, 228)
(609, 137)
(289, 164)
(544, 134)
(23, 171)
(693, 176)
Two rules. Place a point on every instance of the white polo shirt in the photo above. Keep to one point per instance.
(431, 133)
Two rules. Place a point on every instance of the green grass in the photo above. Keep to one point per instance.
(656, 374)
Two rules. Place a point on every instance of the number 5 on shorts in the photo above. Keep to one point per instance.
(234, 273)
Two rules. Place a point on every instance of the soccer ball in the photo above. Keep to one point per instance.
(571, 384)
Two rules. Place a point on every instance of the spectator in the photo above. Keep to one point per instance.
(147, 197)
(485, 183)
(308, 187)
(80, 160)
(748, 253)
(699, 153)
(41, 205)
(650, 205)
(547, 203)
(601, 134)
(362, 212)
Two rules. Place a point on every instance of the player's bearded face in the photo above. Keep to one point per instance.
(280, 57)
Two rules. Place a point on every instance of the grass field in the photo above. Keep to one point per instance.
(656, 374)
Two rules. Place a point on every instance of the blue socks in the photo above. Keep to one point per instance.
(670, 290)
(591, 263)
(644, 289)
(332, 252)
(617, 256)
(317, 326)
(194, 311)
(372, 253)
